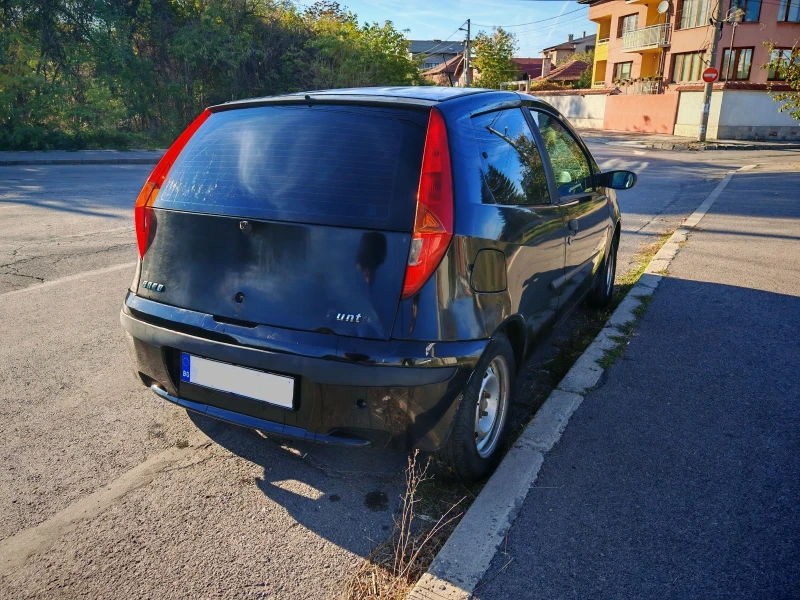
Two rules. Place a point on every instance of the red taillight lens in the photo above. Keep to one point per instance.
(147, 196)
(433, 224)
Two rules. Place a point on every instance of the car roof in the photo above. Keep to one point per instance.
(418, 92)
(398, 95)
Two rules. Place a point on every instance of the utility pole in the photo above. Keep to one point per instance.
(716, 21)
(466, 57)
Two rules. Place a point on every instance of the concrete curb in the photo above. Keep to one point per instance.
(80, 161)
(720, 146)
(692, 146)
(462, 562)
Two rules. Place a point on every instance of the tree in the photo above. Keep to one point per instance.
(493, 57)
(586, 56)
(584, 82)
(786, 65)
(108, 73)
(344, 54)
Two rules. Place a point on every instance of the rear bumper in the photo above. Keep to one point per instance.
(348, 391)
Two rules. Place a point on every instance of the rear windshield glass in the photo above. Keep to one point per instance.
(334, 165)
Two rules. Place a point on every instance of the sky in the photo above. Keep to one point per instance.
(440, 19)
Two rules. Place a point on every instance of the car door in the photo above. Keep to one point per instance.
(585, 206)
(514, 178)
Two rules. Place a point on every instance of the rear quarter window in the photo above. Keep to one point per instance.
(513, 172)
(353, 166)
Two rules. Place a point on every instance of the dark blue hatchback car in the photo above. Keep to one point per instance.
(367, 265)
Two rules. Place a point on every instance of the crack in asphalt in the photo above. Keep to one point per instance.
(15, 266)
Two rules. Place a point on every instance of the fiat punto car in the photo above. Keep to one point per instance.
(367, 266)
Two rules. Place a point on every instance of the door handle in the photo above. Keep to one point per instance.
(573, 225)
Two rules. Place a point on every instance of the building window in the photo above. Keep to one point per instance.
(622, 71)
(789, 10)
(627, 23)
(695, 13)
(429, 65)
(751, 9)
(779, 62)
(687, 66)
(739, 68)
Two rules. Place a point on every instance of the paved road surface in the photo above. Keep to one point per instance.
(174, 505)
(679, 477)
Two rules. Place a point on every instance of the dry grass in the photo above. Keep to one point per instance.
(396, 565)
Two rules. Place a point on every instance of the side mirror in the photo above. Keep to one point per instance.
(617, 180)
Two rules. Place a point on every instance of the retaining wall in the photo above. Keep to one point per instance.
(645, 113)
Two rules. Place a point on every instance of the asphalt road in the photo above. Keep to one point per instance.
(107, 491)
(679, 476)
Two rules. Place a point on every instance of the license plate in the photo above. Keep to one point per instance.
(250, 383)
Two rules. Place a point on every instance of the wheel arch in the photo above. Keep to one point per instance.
(514, 329)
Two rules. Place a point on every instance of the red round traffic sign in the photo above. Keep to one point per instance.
(710, 75)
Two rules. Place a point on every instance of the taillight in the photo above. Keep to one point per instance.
(147, 196)
(433, 223)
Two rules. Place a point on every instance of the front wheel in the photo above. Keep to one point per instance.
(603, 290)
(480, 425)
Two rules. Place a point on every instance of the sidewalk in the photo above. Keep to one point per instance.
(679, 477)
(81, 157)
(673, 142)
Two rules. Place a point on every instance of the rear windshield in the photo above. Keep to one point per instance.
(353, 166)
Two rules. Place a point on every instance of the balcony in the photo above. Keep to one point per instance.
(646, 38)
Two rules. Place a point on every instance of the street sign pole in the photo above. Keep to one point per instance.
(717, 23)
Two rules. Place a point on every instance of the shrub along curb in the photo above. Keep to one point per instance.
(463, 560)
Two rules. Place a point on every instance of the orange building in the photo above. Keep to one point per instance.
(661, 43)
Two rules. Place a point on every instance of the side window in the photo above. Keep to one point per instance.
(570, 164)
(512, 166)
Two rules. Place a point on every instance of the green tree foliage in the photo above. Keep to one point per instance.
(493, 58)
(785, 65)
(98, 73)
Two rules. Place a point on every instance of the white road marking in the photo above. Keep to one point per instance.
(77, 276)
(16, 549)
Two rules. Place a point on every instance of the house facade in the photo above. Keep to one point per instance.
(672, 47)
(563, 51)
(649, 58)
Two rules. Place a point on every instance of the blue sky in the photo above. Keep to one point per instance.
(432, 19)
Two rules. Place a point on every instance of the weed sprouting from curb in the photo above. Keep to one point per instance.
(625, 282)
(642, 308)
(610, 356)
(395, 565)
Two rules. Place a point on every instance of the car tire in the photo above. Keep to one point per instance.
(477, 439)
(603, 290)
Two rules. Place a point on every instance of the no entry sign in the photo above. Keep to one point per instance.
(710, 75)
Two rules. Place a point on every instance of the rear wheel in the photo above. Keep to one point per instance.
(480, 425)
(603, 290)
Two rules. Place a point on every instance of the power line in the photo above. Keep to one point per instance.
(443, 43)
(533, 22)
(546, 27)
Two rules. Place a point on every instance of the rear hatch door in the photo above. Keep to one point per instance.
(290, 216)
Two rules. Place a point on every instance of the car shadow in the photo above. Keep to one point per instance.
(347, 496)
